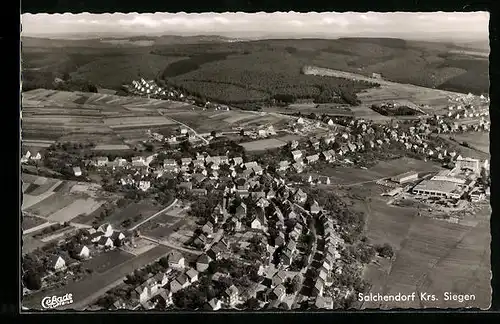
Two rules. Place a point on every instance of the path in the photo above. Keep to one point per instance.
(49, 223)
(189, 128)
(155, 215)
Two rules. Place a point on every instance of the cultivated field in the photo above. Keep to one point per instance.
(107, 260)
(432, 256)
(477, 140)
(135, 212)
(383, 169)
(263, 144)
(392, 91)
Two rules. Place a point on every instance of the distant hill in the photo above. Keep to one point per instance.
(220, 67)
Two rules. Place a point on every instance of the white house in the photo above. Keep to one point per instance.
(77, 171)
(107, 229)
(83, 252)
(56, 262)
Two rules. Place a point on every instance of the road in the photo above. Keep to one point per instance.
(155, 215)
(189, 128)
(91, 288)
(48, 223)
(170, 245)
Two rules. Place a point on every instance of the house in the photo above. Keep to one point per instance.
(215, 252)
(278, 278)
(314, 209)
(77, 171)
(297, 155)
(192, 274)
(300, 120)
(106, 229)
(161, 279)
(181, 282)
(101, 161)
(199, 192)
(231, 295)
(166, 296)
(208, 228)
(312, 158)
(176, 260)
(105, 242)
(278, 293)
(259, 222)
(298, 167)
(283, 165)
(241, 210)
(143, 293)
(82, 251)
(144, 185)
(56, 263)
(213, 304)
(117, 235)
(237, 160)
(322, 302)
(300, 196)
(280, 239)
(318, 288)
(186, 161)
(95, 237)
(188, 186)
(327, 155)
(286, 258)
(202, 263)
(262, 202)
(169, 163)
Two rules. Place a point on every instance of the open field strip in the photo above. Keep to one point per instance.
(111, 147)
(264, 144)
(80, 206)
(58, 235)
(29, 200)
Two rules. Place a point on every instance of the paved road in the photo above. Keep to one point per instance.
(155, 215)
(89, 289)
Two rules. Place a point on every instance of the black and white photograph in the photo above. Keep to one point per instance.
(270, 161)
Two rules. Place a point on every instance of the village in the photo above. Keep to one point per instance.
(260, 237)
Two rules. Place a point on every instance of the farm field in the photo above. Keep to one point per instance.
(477, 140)
(431, 256)
(389, 91)
(107, 260)
(468, 151)
(30, 222)
(135, 212)
(383, 169)
(263, 144)
(77, 207)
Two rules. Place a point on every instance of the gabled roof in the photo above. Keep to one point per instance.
(205, 259)
(191, 273)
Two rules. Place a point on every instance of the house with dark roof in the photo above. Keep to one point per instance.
(202, 263)
(176, 260)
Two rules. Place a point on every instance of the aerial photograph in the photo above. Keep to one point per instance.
(255, 161)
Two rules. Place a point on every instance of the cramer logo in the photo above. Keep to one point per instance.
(55, 301)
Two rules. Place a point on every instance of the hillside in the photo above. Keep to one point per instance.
(218, 69)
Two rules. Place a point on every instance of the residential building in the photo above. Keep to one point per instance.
(56, 263)
(192, 274)
(202, 263)
(176, 260)
(77, 171)
(231, 295)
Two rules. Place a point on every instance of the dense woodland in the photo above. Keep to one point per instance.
(253, 72)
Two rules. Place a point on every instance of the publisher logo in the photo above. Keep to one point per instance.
(56, 301)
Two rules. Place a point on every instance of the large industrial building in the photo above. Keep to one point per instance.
(405, 177)
(466, 163)
(449, 183)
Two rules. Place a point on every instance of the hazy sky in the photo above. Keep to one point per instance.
(280, 24)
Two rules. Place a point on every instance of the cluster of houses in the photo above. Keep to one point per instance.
(149, 87)
(30, 155)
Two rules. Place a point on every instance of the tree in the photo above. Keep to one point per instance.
(32, 280)
(213, 133)
(252, 304)
(385, 250)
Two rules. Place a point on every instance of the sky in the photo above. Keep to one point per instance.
(452, 25)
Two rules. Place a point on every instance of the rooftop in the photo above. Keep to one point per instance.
(438, 185)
